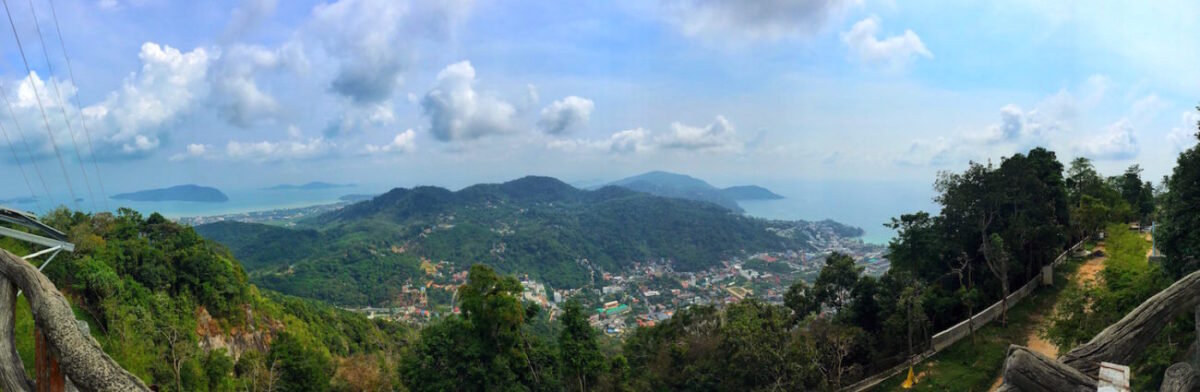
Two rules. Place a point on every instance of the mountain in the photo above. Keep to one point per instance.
(687, 187)
(749, 192)
(309, 186)
(189, 192)
(177, 311)
(364, 253)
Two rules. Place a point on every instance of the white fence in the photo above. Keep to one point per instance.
(952, 335)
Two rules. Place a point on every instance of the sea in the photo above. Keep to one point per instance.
(865, 204)
(240, 201)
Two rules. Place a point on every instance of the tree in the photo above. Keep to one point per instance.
(834, 344)
(918, 245)
(801, 300)
(997, 262)
(835, 283)
(301, 366)
(484, 348)
(579, 353)
(1082, 179)
(1177, 236)
(217, 368)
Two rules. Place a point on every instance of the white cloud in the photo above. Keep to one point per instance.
(457, 112)
(402, 143)
(720, 136)
(371, 40)
(193, 151)
(761, 20)
(566, 115)
(892, 52)
(1118, 142)
(108, 5)
(267, 151)
(1183, 136)
(634, 140)
(129, 122)
(236, 93)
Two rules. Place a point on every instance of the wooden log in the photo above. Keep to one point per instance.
(1028, 371)
(1180, 377)
(1126, 339)
(12, 370)
(79, 355)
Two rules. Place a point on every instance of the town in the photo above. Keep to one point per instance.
(646, 294)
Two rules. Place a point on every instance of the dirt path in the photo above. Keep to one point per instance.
(1086, 273)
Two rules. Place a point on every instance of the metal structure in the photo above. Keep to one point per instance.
(55, 241)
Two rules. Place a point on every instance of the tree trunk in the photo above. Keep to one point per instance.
(1028, 371)
(12, 371)
(80, 356)
(1180, 377)
(1126, 339)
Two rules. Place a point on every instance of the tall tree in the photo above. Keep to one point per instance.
(1177, 236)
(835, 283)
(997, 261)
(578, 351)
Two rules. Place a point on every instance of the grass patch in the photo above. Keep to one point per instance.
(975, 366)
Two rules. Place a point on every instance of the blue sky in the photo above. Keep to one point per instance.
(397, 93)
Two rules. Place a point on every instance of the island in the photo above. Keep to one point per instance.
(187, 192)
(666, 184)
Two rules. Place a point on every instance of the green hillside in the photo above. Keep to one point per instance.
(539, 226)
(177, 311)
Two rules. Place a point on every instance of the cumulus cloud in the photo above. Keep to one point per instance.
(763, 20)
(1024, 129)
(268, 151)
(622, 142)
(892, 52)
(1183, 136)
(367, 38)
(719, 136)
(128, 123)
(193, 151)
(402, 143)
(1117, 142)
(236, 93)
(457, 112)
(565, 115)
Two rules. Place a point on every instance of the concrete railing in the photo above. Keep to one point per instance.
(952, 335)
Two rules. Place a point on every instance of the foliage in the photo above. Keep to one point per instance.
(1176, 235)
(152, 291)
(579, 354)
(487, 347)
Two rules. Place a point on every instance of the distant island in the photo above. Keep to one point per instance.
(661, 183)
(188, 192)
(309, 186)
(354, 198)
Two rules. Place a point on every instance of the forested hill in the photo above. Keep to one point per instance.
(539, 226)
(177, 311)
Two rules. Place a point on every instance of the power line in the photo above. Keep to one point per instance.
(36, 168)
(38, 96)
(63, 107)
(20, 166)
(82, 121)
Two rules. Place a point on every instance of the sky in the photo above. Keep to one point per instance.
(250, 93)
